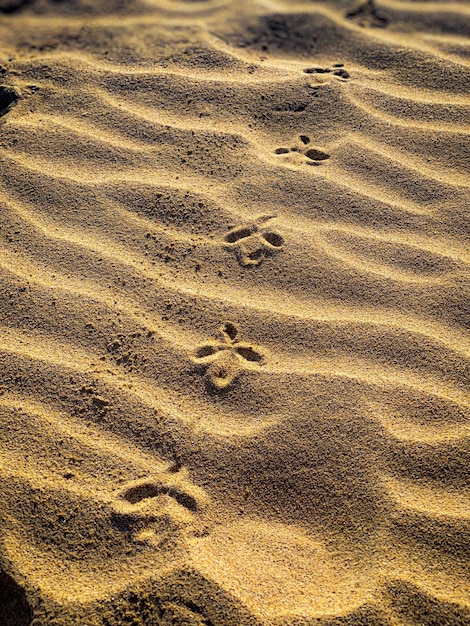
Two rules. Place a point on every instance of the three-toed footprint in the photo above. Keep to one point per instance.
(224, 360)
(253, 242)
(152, 509)
(314, 155)
(325, 75)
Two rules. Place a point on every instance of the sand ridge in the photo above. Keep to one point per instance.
(234, 279)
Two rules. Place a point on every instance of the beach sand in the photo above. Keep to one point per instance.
(234, 312)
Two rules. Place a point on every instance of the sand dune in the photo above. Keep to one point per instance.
(234, 278)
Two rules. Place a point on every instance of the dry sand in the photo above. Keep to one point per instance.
(234, 307)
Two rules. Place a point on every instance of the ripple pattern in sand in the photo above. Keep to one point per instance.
(234, 354)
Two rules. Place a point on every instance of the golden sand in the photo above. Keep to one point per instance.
(234, 312)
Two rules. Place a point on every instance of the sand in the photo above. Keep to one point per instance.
(234, 312)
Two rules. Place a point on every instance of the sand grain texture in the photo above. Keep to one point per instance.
(234, 313)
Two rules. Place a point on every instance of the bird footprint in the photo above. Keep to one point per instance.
(254, 242)
(326, 74)
(223, 360)
(152, 509)
(314, 155)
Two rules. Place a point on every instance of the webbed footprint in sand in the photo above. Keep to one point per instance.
(225, 359)
(254, 242)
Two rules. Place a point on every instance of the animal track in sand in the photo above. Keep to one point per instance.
(367, 14)
(151, 509)
(326, 75)
(148, 489)
(254, 242)
(314, 155)
(225, 359)
(337, 69)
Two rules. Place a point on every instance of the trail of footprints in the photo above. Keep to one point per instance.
(154, 509)
(143, 504)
